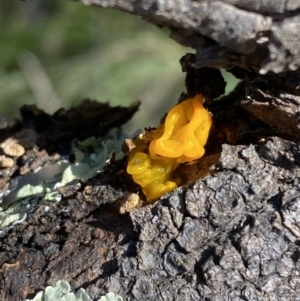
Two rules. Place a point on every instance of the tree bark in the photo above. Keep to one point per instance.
(232, 230)
(257, 35)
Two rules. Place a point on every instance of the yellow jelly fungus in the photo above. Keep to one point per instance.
(182, 140)
(153, 175)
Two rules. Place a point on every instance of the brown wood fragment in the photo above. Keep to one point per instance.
(11, 148)
(129, 203)
(6, 162)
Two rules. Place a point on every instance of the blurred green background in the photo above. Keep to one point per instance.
(56, 53)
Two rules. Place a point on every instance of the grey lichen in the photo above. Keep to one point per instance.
(61, 292)
(91, 156)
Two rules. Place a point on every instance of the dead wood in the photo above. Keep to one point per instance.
(255, 35)
(231, 236)
(231, 231)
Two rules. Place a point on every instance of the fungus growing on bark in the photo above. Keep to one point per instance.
(182, 139)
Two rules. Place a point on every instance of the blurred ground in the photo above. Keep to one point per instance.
(56, 53)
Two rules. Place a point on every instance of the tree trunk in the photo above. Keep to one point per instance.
(232, 230)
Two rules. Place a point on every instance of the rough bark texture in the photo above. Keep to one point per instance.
(257, 35)
(230, 236)
(232, 231)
